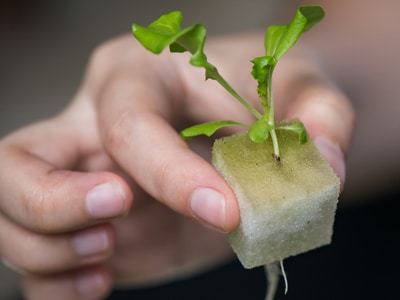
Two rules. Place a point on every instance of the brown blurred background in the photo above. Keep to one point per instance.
(44, 47)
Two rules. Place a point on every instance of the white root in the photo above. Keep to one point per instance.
(284, 276)
(273, 271)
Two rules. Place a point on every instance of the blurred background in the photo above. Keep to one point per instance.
(44, 47)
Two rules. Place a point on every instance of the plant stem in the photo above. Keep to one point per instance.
(231, 91)
(275, 144)
(271, 115)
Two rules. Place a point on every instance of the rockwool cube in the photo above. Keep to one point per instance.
(286, 207)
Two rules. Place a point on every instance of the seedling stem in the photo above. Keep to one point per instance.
(167, 32)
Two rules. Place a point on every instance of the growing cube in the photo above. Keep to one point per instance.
(286, 208)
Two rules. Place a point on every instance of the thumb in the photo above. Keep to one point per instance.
(328, 116)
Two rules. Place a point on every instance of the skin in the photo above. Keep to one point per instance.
(347, 43)
(120, 130)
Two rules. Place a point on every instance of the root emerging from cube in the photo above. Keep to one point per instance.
(286, 208)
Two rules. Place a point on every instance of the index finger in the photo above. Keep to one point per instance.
(133, 121)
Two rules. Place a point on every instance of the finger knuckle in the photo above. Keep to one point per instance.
(102, 53)
(42, 200)
(116, 135)
(327, 111)
(338, 104)
(170, 182)
(38, 207)
(162, 178)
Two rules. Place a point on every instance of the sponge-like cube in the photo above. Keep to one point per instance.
(286, 208)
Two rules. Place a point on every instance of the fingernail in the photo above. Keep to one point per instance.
(105, 201)
(90, 243)
(333, 154)
(209, 206)
(89, 284)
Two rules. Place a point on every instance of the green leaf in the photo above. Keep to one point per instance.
(296, 127)
(304, 19)
(273, 37)
(207, 129)
(176, 48)
(259, 131)
(160, 33)
(193, 40)
(262, 71)
(260, 67)
(166, 31)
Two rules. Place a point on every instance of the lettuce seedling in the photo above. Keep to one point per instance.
(285, 208)
(167, 31)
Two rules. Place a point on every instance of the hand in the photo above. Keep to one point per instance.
(68, 182)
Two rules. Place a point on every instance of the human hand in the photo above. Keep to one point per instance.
(67, 183)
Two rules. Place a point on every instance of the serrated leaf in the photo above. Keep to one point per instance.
(304, 19)
(259, 131)
(296, 127)
(261, 71)
(166, 31)
(159, 33)
(278, 40)
(168, 24)
(207, 129)
(260, 65)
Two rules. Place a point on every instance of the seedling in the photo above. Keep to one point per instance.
(167, 31)
(286, 207)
